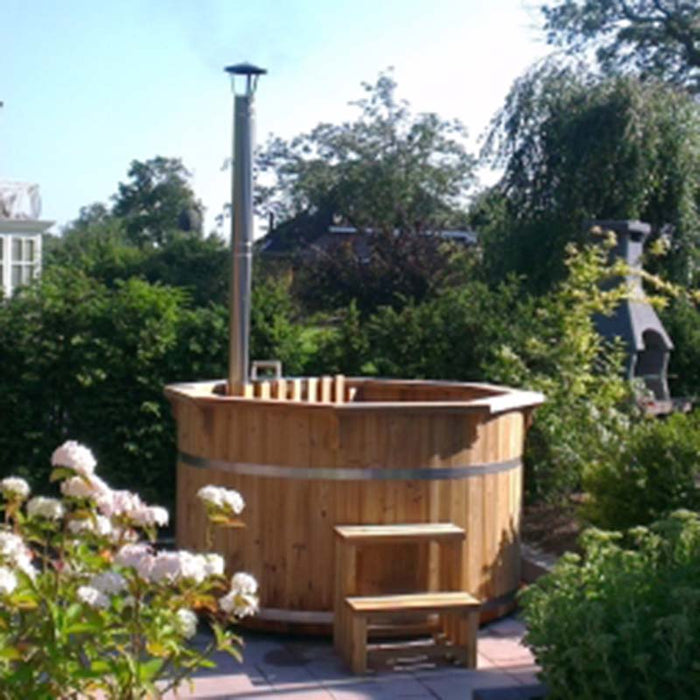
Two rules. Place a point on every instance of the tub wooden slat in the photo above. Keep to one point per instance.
(312, 389)
(339, 388)
(326, 388)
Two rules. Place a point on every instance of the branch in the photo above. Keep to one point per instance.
(662, 9)
(633, 16)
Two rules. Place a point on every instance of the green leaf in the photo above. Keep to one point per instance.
(149, 670)
(10, 653)
(60, 473)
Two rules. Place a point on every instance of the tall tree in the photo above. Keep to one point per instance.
(157, 202)
(95, 243)
(575, 147)
(659, 38)
(151, 232)
(387, 170)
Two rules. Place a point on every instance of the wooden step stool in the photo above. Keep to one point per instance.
(459, 615)
(349, 538)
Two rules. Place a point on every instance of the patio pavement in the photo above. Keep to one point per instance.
(308, 667)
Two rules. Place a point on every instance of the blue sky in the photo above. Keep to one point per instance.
(89, 86)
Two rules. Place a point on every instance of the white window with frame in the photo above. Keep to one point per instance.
(20, 260)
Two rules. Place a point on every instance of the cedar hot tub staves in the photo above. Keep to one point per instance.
(308, 454)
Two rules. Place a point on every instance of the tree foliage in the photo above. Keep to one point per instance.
(398, 269)
(449, 336)
(97, 244)
(576, 148)
(157, 203)
(85, 362)
(152, 232)
(682, 322)
(387, 170)
(657, 38)
(274, 335)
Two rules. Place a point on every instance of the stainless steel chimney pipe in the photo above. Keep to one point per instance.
(241, 227)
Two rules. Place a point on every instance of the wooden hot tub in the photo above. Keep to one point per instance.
(308, 454)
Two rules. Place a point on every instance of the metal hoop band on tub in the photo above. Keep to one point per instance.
(275, 471)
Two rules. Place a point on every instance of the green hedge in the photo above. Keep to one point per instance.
(623, 621)
(79, 360)
(85, 361)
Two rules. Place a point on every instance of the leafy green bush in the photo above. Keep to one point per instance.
(273, 333)
(623, 621)
(82, 359)
(342, 348)
(447, 337)
(653, 472)
(551, 345)
(682, 322)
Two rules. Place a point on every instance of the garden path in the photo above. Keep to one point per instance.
(309, 668)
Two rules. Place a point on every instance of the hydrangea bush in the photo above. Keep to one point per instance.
(88, 605)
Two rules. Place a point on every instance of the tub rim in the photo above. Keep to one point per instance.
(502, 398)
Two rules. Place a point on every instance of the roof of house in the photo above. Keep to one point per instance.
(295, 234)
(19, 200)
(320, 229)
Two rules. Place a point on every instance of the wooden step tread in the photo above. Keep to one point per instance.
(412, 602)
(413, 532)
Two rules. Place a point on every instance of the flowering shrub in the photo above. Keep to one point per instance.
(87, 604)
(623, 621)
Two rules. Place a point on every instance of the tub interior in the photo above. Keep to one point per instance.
(351, 390)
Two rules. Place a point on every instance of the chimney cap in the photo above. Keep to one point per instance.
(635, 229)
(245, 69)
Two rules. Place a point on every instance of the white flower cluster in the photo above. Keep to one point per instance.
(130, 555)
(242, 599)
(12, 487)
(98, 592)
(123, 505)
(186, 622)
(92, 597)
(75, 456)
(46, 508)
(219, 497)
(84, 487)
(8, 581)
(129, 506)
(15, 554)
(169, 567)
(100, 526)
(109, 582)
(11, 545)
(213, 564)
(117, 515)
(148, 516)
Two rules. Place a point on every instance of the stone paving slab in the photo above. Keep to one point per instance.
(308, 667)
